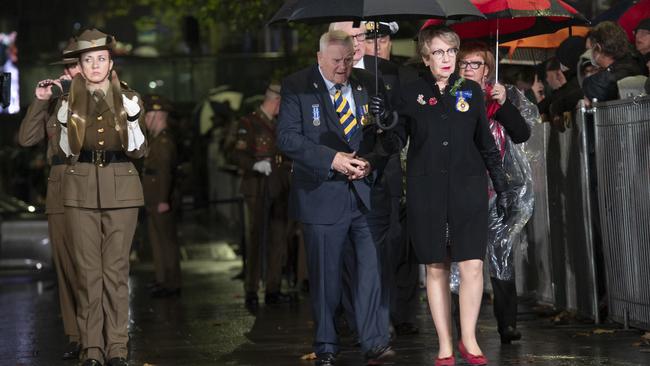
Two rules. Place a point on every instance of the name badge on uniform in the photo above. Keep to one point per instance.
(315, 113)
(461, 100)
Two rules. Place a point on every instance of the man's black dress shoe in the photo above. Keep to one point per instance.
(117, 361)
(161, 292)
(91, 362)
(379, 354)
(326, 359)
(276, 298)
(71, 352)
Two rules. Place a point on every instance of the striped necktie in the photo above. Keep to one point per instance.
(346, 117)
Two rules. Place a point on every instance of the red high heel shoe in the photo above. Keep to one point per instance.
(470, 358)
(447, 361)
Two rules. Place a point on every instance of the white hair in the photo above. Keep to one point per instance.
(335, 37)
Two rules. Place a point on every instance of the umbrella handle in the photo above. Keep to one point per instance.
(391, 125)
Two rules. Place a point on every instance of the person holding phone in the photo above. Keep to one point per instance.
(39, 123)
(102, 126)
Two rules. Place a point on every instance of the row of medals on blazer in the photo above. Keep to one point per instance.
(364, 120)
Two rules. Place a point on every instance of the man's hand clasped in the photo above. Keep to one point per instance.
(350, 165)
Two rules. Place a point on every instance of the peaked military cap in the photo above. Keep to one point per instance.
(383, 28)
(68, 54)
(93, 40)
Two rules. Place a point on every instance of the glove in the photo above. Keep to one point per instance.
(62, 117)
(263, 167)
(131, 107)
(136, 137)
(378, 107)
(64, 144)
(62, 114)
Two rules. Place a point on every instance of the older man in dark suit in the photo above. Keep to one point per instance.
(323, 128)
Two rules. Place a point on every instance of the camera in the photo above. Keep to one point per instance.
(5, 89)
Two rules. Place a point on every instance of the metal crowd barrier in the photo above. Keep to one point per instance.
(622, 142)
(560, 262)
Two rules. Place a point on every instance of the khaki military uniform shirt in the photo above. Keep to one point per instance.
(158, 170)
(40, 122)
(114, 185)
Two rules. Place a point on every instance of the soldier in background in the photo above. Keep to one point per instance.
(265, 187)
(158, 186)
(384, 41)
(39, 123)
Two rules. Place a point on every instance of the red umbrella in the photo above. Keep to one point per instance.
(632, 16)
(516, 19)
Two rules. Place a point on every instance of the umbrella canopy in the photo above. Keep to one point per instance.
(325, 11)
(516, 19)
(551, 40)
(633, 15)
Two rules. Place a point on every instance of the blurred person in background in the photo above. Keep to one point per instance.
(158, 185)
(265, 187)
(565, 98)
(384, 41)
(642, 37)
(613, 54)
(40, 123)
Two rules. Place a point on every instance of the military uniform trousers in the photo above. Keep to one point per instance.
(102, 242)
(164, 247)
(63, 255)
(269, 225)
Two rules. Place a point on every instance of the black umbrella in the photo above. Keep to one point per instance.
(325, 11)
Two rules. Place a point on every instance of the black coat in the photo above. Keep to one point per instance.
(447, 159)
(603, 86)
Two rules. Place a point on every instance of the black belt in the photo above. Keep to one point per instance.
(102, 157)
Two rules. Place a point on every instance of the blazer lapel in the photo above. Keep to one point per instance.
(323, 95)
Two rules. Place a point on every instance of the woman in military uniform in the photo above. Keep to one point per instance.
(447, 203)
(100, 134)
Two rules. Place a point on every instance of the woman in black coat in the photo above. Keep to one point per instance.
(450, 148)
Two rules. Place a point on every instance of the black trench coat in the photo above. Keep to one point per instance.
(447, 159)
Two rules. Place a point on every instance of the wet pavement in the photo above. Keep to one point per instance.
(209, 325)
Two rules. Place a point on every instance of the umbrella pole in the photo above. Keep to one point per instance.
(376, 30)
(496, 57)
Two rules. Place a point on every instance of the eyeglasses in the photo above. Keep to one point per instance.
(474, 65)
(439, 54)
(359, 37)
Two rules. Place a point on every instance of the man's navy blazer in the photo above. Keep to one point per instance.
(310, 134)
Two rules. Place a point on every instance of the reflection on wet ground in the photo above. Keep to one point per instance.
(208, 325)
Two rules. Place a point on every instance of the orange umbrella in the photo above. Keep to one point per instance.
(551, 40)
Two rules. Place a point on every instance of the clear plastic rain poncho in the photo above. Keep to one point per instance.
(504, 236)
